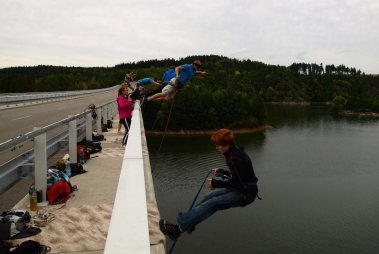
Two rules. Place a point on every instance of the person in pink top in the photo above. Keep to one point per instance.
(125, 109)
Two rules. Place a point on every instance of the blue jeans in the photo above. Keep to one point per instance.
(217, 200)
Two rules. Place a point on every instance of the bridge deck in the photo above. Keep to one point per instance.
(99, 185)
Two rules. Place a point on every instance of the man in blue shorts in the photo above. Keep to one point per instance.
(183, 74)
(167, 76)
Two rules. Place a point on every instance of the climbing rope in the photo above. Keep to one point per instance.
(44, 216)
(167, 123)
(192, 204)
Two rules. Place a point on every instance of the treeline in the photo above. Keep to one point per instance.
(232, 95)
(315, 69)
(45, 78)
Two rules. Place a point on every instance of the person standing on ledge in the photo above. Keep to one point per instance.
(183, 74)
(236, 187)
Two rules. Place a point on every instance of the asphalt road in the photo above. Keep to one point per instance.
(16, 121)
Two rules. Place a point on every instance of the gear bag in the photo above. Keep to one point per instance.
(14, 224)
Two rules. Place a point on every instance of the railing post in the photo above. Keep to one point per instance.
(72, 141)
(98, 121)
(109, 111)
(105, 114)
(40, 164)
(89, 127)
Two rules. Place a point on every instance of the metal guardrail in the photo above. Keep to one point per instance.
(24, 97)
(12, 171)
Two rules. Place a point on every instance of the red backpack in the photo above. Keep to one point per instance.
(85, 151)
(59, 192)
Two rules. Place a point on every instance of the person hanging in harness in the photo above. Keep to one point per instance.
(129, 77)
(236, 187)
(167, 76)
(183, 73)
(139, 88)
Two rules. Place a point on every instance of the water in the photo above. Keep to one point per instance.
(318, 177)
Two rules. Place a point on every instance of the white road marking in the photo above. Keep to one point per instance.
(15, 119)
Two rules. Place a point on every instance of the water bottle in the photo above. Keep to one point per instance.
(81, 155)
(33, 199)
(68, 169)
(66, 159)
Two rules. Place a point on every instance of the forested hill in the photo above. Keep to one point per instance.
(231, 95)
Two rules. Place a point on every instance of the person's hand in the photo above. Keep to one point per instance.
(215, 171)
(210, 186)
(203, 73)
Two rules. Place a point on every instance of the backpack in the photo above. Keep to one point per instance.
(5, 247)
(59, 192)
(14, 224)
(86, 153)
(109, 124)
(76, 169)
(97, 137)
(30, 247)
(92, 147)
(104, 128)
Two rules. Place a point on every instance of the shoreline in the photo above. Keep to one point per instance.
(349, 113)
(207, 132)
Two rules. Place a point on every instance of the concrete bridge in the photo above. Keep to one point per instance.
(117, 177)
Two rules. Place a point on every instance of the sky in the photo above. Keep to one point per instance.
(91, 33)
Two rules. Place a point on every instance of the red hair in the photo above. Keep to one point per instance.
(223, 137)
(121, 89)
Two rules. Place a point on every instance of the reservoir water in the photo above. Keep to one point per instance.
(318, 177)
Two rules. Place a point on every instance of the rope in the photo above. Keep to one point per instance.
(45, 216)
(168, 121)
(192, 204)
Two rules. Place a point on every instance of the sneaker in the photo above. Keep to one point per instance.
(190, 230)
(169, 229)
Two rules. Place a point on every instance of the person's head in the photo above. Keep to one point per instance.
(123, 90)
(172, 67)
(141, 89)
(197, 64)
(223, 140)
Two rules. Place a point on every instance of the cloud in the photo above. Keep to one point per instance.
(98, 33)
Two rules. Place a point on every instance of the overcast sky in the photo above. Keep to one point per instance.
(109, 32)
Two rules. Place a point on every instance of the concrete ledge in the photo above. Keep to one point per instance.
(128, 229)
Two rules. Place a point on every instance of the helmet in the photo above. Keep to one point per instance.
(61, 165)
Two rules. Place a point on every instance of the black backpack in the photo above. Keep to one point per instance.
(27, 247)
(5, 247)
(14, 224)
(97, 137)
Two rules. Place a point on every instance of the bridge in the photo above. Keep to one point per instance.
(122, 179)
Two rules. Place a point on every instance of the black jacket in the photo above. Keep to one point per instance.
(241, 173)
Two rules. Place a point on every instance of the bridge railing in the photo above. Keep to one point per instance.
(128, 230)
(37, 158)
(14, 98)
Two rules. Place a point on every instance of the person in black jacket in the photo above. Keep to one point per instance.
(236, 187)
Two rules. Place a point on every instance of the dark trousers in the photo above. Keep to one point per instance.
(126, 122)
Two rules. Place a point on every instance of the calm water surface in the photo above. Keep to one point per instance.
(318, 177)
